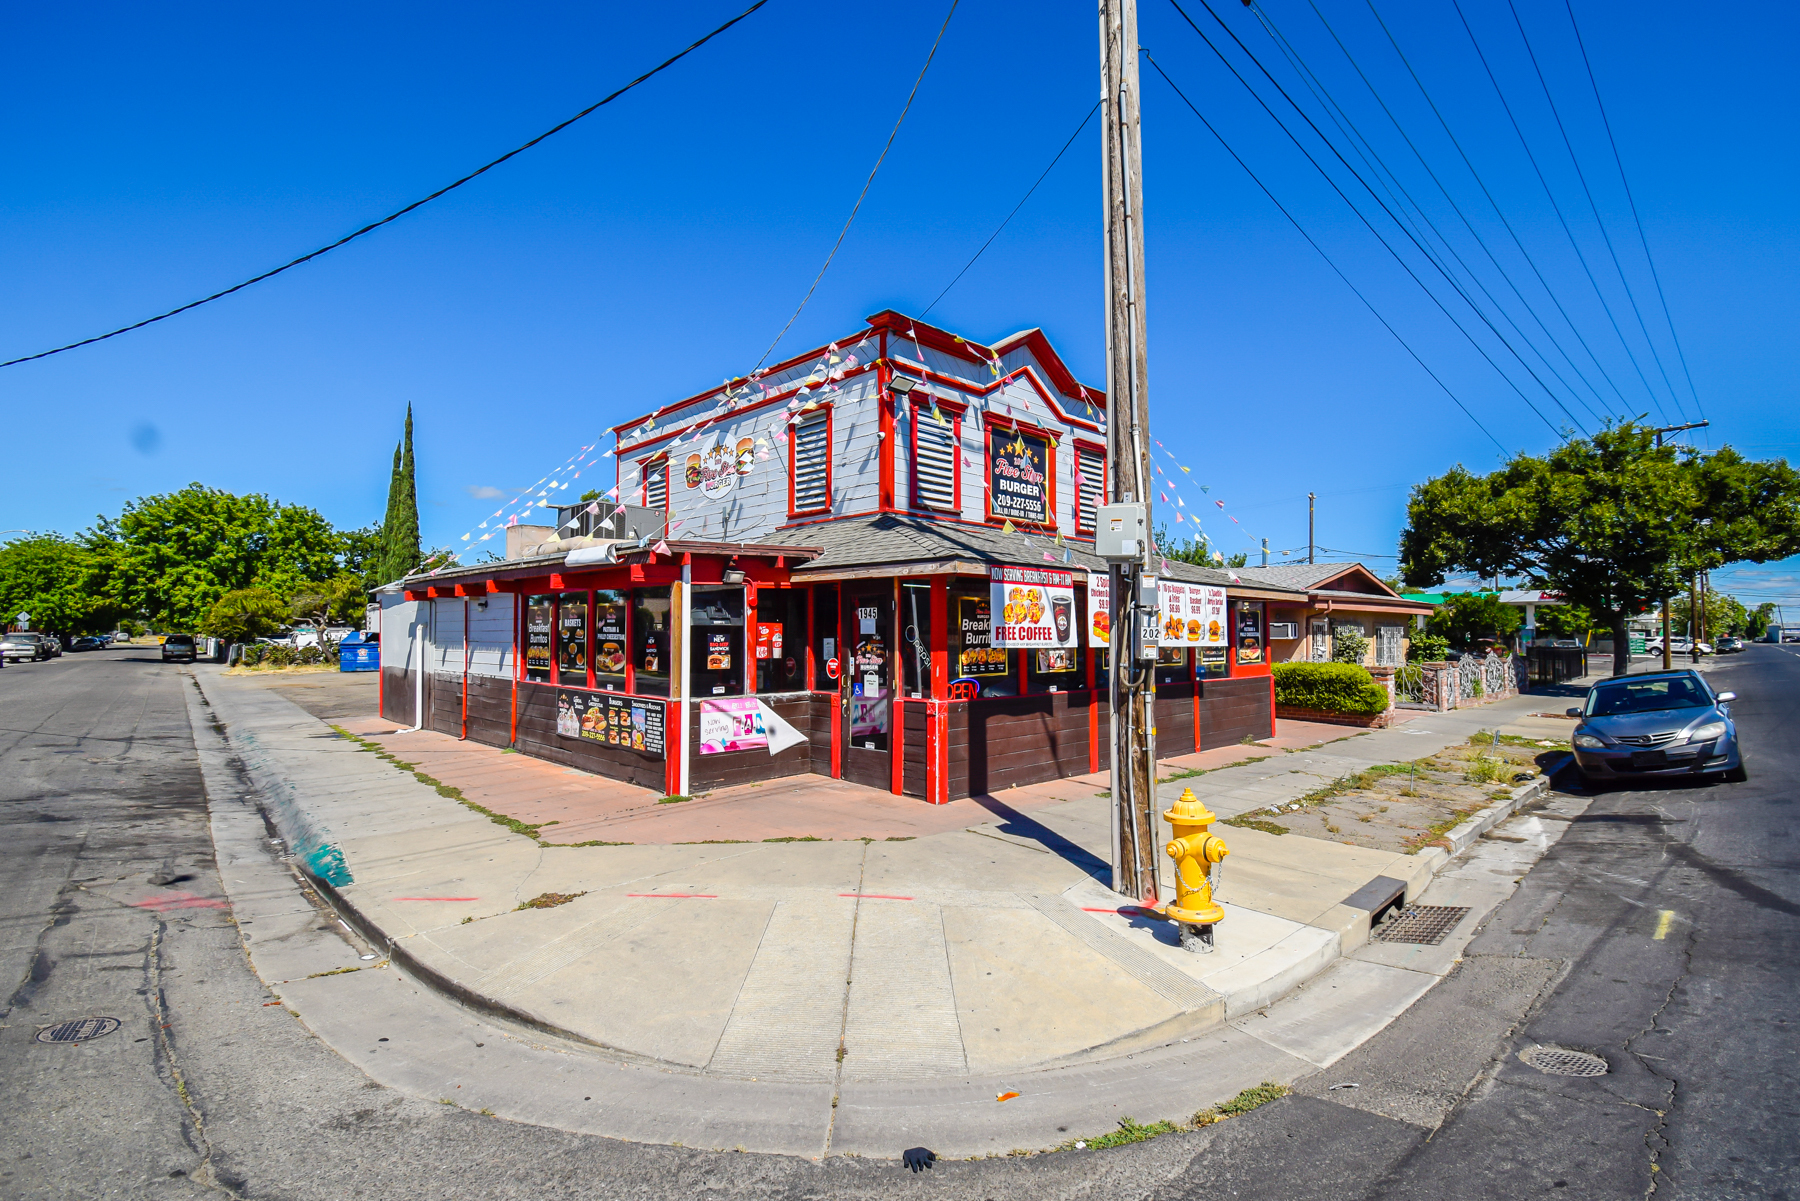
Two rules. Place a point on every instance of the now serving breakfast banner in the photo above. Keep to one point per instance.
(1031, 607)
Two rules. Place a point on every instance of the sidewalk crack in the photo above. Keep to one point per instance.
(837, 1079)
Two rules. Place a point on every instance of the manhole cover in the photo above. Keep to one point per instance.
(1560, 1061)
(78, 1031)
(1423, 924)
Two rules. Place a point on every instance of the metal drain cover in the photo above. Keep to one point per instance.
(1560, 1061)
(1423, 924)
(78, 1031)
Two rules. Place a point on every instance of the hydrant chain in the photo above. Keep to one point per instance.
(1195, 852)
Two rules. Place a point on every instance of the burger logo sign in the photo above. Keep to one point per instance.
(715, 470)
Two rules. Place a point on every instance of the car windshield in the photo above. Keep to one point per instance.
(1645, 696)
(179, 639)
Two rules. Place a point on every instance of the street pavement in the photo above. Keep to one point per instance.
(113, 905)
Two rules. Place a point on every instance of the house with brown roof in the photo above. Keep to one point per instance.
(1339, 597)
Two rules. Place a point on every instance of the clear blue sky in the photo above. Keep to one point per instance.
(156, 155)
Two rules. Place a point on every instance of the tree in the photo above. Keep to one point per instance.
(1721, 614)
(1613, 522)
(1466, 619)
(244, 615)
(64, 584)
(1565, 621)
(361, 555)
(1758, 620)
(1197, 550)
(337, 601)
(400, 555)
(174, 556)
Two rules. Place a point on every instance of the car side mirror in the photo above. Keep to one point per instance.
(1573, 712)
(1727, 696)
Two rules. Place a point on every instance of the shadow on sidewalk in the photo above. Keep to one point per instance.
(1020, 826)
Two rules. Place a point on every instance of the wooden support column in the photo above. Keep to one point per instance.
(937, 762)
(896, 696)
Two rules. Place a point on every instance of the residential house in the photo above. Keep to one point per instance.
(1339, 596)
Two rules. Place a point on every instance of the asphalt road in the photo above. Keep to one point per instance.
(1658, 933)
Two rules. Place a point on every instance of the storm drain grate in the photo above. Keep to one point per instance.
(1560, 1061)
(1423, 924)
(78, 1031)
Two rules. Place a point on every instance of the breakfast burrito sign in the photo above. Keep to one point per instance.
(1032, 607)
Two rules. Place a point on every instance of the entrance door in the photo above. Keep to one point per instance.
(868, 686)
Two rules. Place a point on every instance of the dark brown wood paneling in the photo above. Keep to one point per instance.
(999, 742)
(708, 772)
(397, 695)
(538, 738)
(1233, 710)
(912, 753)
(1174, 720)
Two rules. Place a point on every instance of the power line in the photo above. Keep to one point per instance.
(1562, 220)
(855, 208)
(398, 213)
(1404, 265)
(1016, 208)
(1309, 239)
(1595, 209)
(1294, 58)
(1642, 239)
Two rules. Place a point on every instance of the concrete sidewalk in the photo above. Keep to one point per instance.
(977, 938)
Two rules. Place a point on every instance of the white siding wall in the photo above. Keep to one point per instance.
(446, 652)
(397, 618)
(490, 637)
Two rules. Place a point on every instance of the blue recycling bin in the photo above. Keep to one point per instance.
(356, 655)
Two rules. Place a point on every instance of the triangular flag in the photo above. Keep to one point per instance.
(661, 547)
(1007, 527)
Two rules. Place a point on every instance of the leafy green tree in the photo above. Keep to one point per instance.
(400, 553)
(174, 556)
(361, 555)
(1720, 614)
(1466, 619)
(1422, 646)
(1758, 620)
(1349, 645)
(1196, 550)
(1565, 621)
(1612, 522)
(337, 601)
(64, 584)
(244, 615)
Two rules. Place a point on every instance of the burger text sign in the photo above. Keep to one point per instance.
(1032, 607)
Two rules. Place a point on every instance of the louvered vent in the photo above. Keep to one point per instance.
(656, 484)
(1088, 488)
(812, 454)
(934, 466)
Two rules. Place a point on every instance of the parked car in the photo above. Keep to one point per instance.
(177, 647)
(25, 645)
(1730, 644)
(87, 642)
(1679, 646)
(54, 642)
(1572, 643)
(1659, 724)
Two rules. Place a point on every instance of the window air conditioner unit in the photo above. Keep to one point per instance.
(1284, 629)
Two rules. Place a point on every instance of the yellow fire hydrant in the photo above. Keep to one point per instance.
(1194, 852)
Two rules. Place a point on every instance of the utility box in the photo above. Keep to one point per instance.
(1121, 533)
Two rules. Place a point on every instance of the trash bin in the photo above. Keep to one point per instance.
(356, 655)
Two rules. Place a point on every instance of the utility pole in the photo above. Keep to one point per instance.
(1309, 528)
(1135, 850)
(1668, 652)
(1265, 561)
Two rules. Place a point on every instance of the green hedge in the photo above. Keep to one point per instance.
(1330, 687)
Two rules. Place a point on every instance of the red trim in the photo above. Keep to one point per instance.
(922, 412)
(643, 464)
(1093, 708)
(464, 735)
(1094, 448)
(905, 328)
(990, 423)
(794, 461)
(896, 692)
(884, 400)
(518, 665)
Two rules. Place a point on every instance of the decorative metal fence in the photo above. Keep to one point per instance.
(1551, 665)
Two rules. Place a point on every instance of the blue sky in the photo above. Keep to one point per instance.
(657, 246)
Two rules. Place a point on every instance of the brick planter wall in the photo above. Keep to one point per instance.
(1367, 721)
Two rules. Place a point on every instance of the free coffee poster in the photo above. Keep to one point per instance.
(978, 656)
(1018, 476)
(1036, 608)
(619, 721)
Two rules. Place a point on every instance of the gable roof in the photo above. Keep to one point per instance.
(1315, 576)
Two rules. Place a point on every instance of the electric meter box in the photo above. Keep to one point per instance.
(1121, 533)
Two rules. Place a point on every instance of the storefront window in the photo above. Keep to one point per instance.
(650, 640)
(778, 638)
(1212, 662)
(571, 639)
(979, 669)
(1171, 665)
(716, 660)
(540, 617)
(1055, 669)
(1249, 627)
(915, 638)
(826, 646)
(610, 609)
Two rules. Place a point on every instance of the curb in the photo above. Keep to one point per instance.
(1461, 837)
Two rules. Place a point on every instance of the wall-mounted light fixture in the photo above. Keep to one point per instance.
(900, 385)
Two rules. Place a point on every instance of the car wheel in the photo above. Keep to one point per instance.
(1736, 775)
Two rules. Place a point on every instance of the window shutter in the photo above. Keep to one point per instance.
(934, 464)
(812, 451)
(656, 485)
(1087, 493)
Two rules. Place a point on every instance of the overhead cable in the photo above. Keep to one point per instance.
(1467, 412)
(398, 213)
(1404, 265)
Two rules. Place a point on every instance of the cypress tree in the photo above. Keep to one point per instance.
(384, 552)
(400, 530)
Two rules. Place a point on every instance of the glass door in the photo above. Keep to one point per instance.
(868, 686)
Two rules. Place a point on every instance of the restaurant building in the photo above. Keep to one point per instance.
(873, 562)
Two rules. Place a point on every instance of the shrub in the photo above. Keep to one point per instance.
(1329, 687)
(1348, 645)
(1425, 647)
(253, 654)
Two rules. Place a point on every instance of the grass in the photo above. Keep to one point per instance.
(1132, 1131)
(1243, 1103)
(1188, 773)
(548, 900)
(673, 799)
(1484, 769)
(1245, 822)
(799, 838)
(291, 670)
(336, 971)
(713, 842)
(1129, 1131)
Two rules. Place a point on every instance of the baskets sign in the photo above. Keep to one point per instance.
(1032, 607)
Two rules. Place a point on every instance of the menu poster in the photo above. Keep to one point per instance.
(1191, 615)
(537, 636)
(1172, 615)
(1249, 633)
(718, 650)
(977, 656)
(624, 722)
(571, 637)
(1099, 608)
(1037, 608)
(1212, 613)
(1018, 476)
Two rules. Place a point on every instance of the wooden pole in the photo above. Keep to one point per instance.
(1128, 457)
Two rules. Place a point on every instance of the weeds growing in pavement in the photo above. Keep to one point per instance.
(1244, 821)
(1243, 1103)
(548, 900)
(448, 792)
